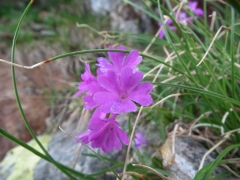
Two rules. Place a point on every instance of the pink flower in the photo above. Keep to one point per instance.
(170, 26)
(89, 83)
(115, 90)
(139, 140)
(118, 60)
(120, 92)
(105, 134)
(90, 86)
(183, 18)
(195, 10)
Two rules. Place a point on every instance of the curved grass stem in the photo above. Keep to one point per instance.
(17, 96)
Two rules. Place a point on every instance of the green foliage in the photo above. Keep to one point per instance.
(207, 170)
(235, 4)
(52, 18)
(196, 69)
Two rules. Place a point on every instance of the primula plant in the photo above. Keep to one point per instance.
(192, 63)
(116, 90)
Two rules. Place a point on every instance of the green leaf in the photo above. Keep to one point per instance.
(207, 170)
(235, 4)
(201, 91)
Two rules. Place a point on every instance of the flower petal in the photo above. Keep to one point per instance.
(87, 75)
(143, 88)
(98, 137)
(140, 94)
(193, 5)
(99, 114)
(123, 106)
(117, 142)
(128, 80)
(107, 107)
(172, 28)
(199, 12)
(83, 137)
(89, 102)
(110, 81)
(161, 34)
(96, 123)
(93, 88)
(133, 59)
(139, 140)
(104, 96)
(104, 65)
(117, 58)
(105, 100)
(79, 93)
(111, 138)
(122, 135)
(144, 100)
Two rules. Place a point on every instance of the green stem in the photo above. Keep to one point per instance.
(232, 52)
(108, 50)
(17, 96)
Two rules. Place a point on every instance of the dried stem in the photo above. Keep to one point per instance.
(214, 147)
(162, 100)
(129, 146)
(214, 38)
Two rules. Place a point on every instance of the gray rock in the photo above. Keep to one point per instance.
(19, 163)
(123, 17)
(103, 7)
(62, 148)
(185, 162)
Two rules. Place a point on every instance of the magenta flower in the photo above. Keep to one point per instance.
(118, 60)
(139, 140)
(105, 134)
(195, 10)
(183, 18)
(89, 83)
(115, 90)
(120, 92)
(90, 86)
(169, 24)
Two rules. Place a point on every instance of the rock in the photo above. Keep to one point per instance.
(123, 17)
(103, 7)
(185, 162)
(62, 148)
(19, 163)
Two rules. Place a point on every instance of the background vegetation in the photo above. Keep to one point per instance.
(195, 71)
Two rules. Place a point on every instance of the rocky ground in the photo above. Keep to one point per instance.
(39, 87)
(32, 86)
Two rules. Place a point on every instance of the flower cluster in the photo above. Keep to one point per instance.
(116, 90)
(182, 17)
